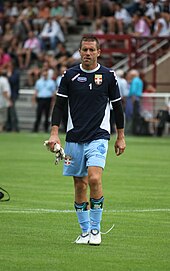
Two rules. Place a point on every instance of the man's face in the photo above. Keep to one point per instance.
(89, 54)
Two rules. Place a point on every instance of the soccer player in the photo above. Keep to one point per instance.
(89, 88)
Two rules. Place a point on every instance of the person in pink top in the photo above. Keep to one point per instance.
(4, 58)
(141, 25)
(31, 49)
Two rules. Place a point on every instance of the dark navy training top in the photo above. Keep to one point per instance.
(89, 95)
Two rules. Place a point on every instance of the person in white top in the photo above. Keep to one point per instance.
(5, 101)
(123, 18)
(161, 27)
(51, 33)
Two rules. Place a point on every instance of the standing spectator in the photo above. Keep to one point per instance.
(133, 101)
(13, 76)
(123, 86)
(5, 101)
(52, 34)
(44, 94)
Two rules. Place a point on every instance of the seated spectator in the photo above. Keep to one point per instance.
(13, 49)
(98, 29)
(4, 58)
(68, 18)
(41, 16)
(161, 26)
(123, 18)
(88, 10)
(11, 8)
(35, 72)
(74, 59)
(56, 10)
(140, 25)
(21, 27)
(31, 50)
(52, 34)
(7, 34)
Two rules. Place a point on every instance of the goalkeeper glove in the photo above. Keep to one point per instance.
(58, 150)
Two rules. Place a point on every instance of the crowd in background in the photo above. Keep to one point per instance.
(34, 36)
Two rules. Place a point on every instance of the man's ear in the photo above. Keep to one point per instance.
(99, 51)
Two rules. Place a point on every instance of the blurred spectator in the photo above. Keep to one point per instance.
(11, 8)
(61, 54)
(99, 30)
(35, 72)
(147, 107)
(161, 26)
(44, 94)
(147, 103)
(5, 101)
(13, 76)
(52, 34)
(4, 58)
(62, 69)
(141, 25)
(163, 117)
(30, 51)
(7, 34)
(56, 10)
(14, 47)
(123, 86)
(68, 18)
(133, 102)
(88, 10)
(21, 27)
(42, 16)
(123, 18)
(108, 19)
(74, 59)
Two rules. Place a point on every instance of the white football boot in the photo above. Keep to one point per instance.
(95, 237)
(83, 238)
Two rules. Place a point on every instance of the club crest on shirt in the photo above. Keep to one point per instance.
(98, 79)
(67, 160)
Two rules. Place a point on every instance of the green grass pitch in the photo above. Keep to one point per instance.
(38, 225)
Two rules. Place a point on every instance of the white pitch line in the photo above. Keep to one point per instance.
(43, 211)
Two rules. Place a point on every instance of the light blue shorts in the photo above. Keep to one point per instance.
(80, 156)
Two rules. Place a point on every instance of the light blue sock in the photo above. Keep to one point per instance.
(84, 221)
(83, 216)
(95, 219)
(96, 213)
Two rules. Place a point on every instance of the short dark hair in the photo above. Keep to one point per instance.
(90, 38)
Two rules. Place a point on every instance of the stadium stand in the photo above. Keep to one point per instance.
(123, 48)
